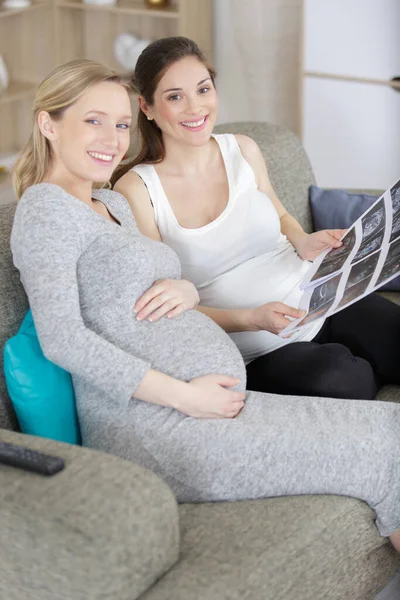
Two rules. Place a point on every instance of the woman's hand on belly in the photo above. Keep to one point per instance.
(169, 297)
(204, 397)
(272, 317)
(209, 398)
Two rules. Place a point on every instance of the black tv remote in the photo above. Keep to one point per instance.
(30, 460)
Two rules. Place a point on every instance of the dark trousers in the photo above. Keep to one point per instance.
(356, 351)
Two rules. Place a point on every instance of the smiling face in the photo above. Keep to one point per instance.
(185, 102)
(92, 136)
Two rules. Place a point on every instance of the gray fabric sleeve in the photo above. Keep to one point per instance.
(46, 244)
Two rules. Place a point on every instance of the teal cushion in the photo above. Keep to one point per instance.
(41, 392)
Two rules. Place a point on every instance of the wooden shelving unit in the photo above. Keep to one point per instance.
(36, 39)
(131, 7)
(36, 5)
(5, 181)
(17, 90)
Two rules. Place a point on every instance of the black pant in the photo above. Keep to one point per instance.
(356, 351)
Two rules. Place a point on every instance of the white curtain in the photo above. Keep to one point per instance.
(257, 51)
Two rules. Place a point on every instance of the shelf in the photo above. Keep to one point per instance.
(48, 33)
(9, 12)
(128, 7)
(394, 84)
(16, 91)
(5, 181)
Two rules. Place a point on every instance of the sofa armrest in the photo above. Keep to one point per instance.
(101, 528)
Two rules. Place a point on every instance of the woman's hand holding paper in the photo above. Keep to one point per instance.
(310, 245)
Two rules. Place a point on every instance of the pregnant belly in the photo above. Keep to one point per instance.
(271, 277)
(185, 347)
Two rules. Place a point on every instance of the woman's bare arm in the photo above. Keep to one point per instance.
(252, 153)
(132, 187)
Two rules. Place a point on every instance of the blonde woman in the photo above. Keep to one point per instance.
(162, 393)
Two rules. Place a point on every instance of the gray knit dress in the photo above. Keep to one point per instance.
(83, 275)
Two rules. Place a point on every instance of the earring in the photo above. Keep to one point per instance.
(148, 118)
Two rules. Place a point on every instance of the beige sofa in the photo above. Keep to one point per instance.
(106, 529)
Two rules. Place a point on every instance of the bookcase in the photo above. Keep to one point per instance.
(36, 39)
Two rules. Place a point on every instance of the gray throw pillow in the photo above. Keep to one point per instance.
(338, 209)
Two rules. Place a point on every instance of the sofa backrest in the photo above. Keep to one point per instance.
(290, 173)
(13, 306)
(289, 169)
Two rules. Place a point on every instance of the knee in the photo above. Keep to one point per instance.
(342, 375)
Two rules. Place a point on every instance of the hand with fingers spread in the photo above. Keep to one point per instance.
(273, 316)
(166, 297)
(211, 398)
(310, 245)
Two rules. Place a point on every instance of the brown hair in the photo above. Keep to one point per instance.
(56, 93)
(150, 68)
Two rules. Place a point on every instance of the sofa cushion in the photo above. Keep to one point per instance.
(103, 528)
(41, 392)
(13, 306)
(337, 209)
(298, 548)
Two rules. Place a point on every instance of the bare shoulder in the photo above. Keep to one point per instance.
(253, 155)
(132, 186)
(248, 146)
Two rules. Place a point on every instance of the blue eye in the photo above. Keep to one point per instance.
(93, 121)
(174, 97)
(204, 90)
(123, 126)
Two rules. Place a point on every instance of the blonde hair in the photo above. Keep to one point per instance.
(55, 94)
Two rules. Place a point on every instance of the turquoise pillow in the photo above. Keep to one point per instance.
(41, 392)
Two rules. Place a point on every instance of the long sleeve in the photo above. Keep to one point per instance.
(46, 244)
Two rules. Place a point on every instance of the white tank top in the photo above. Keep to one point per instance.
(241, 259)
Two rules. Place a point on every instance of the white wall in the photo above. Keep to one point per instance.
(351, 129)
